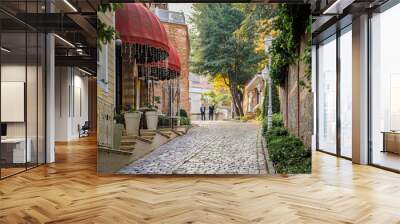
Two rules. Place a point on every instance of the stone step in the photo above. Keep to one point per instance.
(148, 141)
(118, 151)
(148, 132)
(166, 134)
(128, 141)
(148, 137)
(179, 133)
(128, 148)
(134, 138)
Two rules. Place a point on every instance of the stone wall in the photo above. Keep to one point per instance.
(297, 102)
(179, 36)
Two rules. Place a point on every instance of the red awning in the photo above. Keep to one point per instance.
(137, 25)
(161, 70)
(174, 62)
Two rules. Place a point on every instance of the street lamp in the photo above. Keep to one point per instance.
(267, 77)
(118, 75)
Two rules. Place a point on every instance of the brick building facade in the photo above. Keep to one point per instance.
(253, 94)
(178, 34)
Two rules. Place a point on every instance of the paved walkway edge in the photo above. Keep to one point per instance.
(261, 145)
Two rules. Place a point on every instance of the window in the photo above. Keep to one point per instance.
(102, 67)
(385, 89)
(327, 95)
(346, 92)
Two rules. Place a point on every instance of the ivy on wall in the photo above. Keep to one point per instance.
(306, 58)
(290, 22)
(283, 47)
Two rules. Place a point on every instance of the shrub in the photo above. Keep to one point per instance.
(276, 132)
(287, 152)
(163, 121)
(258, 112)
(184, 121)
(264, 126)
(182, 113)
(244, 118)
(119, 118)
(277, 120)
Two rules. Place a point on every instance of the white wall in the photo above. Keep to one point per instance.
(195, 102)
(71, 93)
(14, 73)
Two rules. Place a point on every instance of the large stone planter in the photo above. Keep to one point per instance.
(118, 129)
(152, 120)
(132, 122)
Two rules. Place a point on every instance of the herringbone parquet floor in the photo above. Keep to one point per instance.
(70, 191)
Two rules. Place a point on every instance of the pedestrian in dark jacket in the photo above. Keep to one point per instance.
(203, 112)
(211, 112)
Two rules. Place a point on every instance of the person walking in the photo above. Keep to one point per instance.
(211, 112)
(203, 112)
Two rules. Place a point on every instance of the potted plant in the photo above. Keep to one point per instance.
(118, 128)
(151, 117)
(132, 121)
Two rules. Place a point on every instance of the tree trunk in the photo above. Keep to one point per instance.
(237, 101)
(236, 96)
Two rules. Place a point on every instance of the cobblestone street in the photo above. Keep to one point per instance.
(213, 147)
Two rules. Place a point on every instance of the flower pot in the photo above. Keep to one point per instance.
(132, 122)
(118, 129)
(152, 120)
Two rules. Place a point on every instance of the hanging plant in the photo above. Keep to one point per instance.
(106, 33)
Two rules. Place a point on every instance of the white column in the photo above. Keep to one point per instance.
(360, 90)
(50, 101)
(314, 90)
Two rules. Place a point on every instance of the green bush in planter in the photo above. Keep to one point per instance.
(163, 121)
(182, 113)
(184, 121)
(119, 118)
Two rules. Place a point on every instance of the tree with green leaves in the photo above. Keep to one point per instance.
(221, 46)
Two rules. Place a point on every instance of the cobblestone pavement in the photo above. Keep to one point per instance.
(213, 147)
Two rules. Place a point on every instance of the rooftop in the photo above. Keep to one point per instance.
(170, 16)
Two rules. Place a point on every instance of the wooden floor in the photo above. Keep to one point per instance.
(70, 191)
